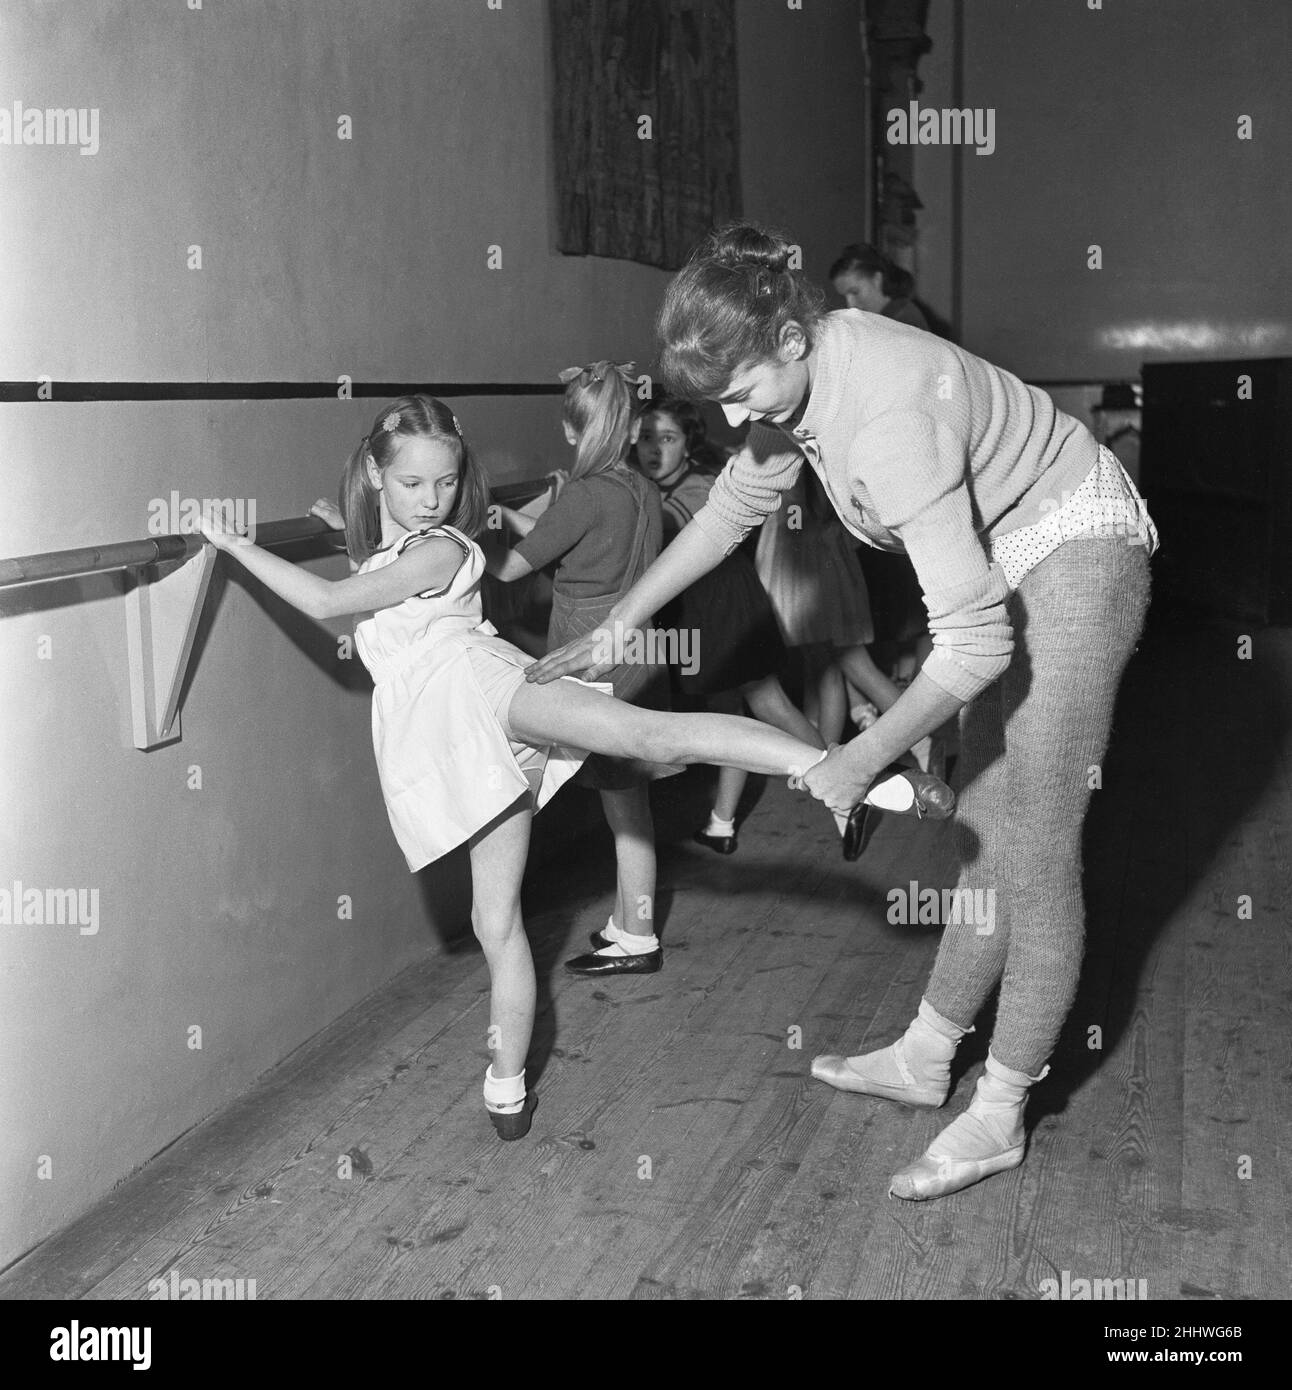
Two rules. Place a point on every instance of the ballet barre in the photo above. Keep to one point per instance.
(167, 579)
(155, 550)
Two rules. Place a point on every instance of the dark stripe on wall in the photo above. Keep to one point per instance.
(259, 390)
(12, 391)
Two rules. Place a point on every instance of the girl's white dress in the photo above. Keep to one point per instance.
(444, 680)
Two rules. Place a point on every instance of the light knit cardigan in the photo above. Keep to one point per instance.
(923, 448)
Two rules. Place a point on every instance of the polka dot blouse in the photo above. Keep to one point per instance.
(1106, 503)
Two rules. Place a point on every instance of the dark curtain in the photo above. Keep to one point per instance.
(617, 61)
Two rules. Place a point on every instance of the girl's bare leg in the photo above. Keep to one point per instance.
(811, 662)
(731, 787)
(628, 814)
(498, 854)
(768, 701)
(832, 703)
(731, 780)
(859, 667)
(567, 712)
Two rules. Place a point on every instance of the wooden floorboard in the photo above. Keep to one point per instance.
(681, 1150)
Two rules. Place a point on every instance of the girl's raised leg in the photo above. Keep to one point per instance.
(769, 702)
(567, 712)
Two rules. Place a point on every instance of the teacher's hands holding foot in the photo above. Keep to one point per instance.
(839, 779)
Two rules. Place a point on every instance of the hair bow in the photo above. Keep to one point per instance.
(598, 371)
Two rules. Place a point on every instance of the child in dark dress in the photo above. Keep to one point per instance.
(738, 642)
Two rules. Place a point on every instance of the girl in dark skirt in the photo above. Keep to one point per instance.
(735, 647)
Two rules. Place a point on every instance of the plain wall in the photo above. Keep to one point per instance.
(1115, 127)
(218, 905)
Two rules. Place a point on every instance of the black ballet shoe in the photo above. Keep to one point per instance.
(720, 844)
(934, 800)
(647, 963)
(863, 821)
(515, 1126)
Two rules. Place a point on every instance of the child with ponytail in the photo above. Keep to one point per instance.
(602, 533)
(739, 647)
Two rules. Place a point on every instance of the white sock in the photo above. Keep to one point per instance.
(994, 1121)
(719, 828)
(624, 943)
(504, 1095)
(925, 1051)
(864, 714)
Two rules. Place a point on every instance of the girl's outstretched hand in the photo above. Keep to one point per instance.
(328, 512)
(589, 656)
(837, 781)
(220, 535)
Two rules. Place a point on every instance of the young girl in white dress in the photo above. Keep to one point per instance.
(465, 746)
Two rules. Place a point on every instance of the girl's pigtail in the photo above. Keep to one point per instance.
(471, 510)
(359, 506)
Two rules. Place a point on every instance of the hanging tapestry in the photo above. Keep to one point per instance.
(646, 126)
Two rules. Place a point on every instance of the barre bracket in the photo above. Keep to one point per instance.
(162, 614)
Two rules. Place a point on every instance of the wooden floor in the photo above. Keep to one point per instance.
(680, 1149)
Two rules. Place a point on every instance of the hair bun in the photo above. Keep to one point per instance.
(746, 245)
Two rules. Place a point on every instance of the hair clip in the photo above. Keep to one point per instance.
(456, 425)
(391, 423)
